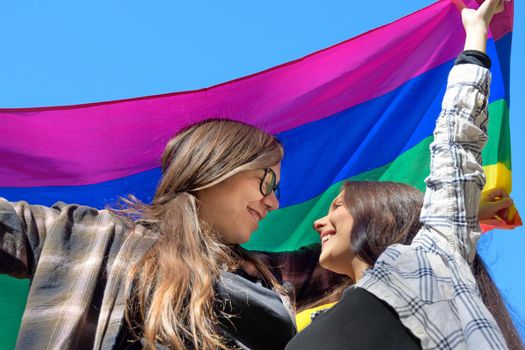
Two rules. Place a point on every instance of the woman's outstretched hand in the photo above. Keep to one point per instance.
(476, 23)
(494, 203)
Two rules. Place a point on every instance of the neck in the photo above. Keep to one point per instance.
(359, 268)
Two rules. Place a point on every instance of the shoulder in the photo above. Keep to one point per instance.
(79, 213)
(426, 270)
(85, 222)
(429, 248)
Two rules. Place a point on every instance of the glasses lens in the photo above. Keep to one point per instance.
(268, 182)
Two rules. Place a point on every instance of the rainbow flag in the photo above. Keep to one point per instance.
(362, 109)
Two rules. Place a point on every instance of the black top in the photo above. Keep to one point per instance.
(258, 318)
(358, 321)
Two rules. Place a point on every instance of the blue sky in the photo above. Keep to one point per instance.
(68, 52)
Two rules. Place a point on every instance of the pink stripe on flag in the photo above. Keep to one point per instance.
(85, 144)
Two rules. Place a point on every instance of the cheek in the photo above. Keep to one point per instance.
(237, 223)
(219, 208)
(336, 254)
(343, 221)
(240, 193)
(228, 206)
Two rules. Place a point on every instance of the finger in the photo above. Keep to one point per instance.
(488, 8)
(500, 6)
(494, 193)
(502, 204)
(504, 214)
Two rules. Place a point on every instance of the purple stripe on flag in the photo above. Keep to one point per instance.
(86, 144)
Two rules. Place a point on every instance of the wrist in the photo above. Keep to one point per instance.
(477, 29)
(476, 39)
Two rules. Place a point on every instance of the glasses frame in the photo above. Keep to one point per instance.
(274, 186)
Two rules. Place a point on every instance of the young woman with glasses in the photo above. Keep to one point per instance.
(170, 272)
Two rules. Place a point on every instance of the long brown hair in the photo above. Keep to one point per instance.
(172, 301)
(387, 213)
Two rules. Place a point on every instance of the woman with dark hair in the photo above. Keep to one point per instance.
(418, 280)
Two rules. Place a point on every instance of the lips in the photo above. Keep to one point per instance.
(326, 235)
(258, 217)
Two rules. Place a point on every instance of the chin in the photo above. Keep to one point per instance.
(324, 263)
(237, 238)
(245, 237)
(242, 241)
(328, 264)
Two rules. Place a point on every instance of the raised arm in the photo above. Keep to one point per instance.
(456, 175)
(476, 23)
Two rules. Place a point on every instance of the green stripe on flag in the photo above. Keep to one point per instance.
(498, 145)
(291, 228)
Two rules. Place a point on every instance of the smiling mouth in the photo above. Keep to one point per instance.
(255, 214)
(325, 236)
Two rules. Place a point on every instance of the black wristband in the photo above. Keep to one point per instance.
(474, 57)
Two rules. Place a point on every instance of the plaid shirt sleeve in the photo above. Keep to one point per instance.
(456, 176)
(23, 229)
(68, 251)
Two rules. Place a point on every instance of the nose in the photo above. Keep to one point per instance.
(320, 223)
(271, 201)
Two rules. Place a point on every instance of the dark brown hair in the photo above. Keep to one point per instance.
(387, 213)
(384, 213)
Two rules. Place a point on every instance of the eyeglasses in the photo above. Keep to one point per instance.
(269, 183)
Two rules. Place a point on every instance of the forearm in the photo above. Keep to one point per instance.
(476, 38)
(496, 201)
(456, 176)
